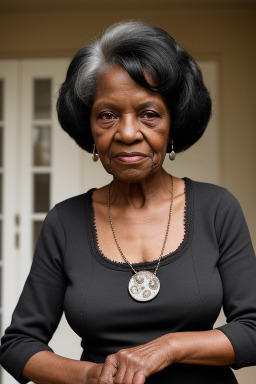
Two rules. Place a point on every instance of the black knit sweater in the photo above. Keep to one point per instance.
(214, 265)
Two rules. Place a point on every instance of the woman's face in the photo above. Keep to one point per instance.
(130, 126)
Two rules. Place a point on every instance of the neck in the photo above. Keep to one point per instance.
(139, 194)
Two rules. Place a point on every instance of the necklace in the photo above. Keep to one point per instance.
(143, 285)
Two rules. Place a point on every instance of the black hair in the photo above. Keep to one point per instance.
(139, 48)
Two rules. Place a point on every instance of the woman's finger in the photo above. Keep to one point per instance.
(126, 376)
(120, 374)
(108, 371)
(138, 378)
(130, 377)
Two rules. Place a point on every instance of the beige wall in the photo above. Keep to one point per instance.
(226, 35)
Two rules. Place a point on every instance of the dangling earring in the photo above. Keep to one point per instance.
(172, 155)
(95, 155)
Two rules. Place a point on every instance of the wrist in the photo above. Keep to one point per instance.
(83, 372)
(174, 353)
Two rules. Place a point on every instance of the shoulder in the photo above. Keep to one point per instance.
(211, 192)
(203, 188)
(74, 201)
(73, 207)
(212, 200)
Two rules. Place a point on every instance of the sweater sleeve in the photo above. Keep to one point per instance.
(237, 267)
(40, 306)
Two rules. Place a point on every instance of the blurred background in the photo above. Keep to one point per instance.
(40, 165)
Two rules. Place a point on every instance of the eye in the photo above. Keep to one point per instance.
(107, 116)
(150, 115)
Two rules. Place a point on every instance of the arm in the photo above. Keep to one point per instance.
(237, 267)
(134, 365)
(40, 307)
(48, 368)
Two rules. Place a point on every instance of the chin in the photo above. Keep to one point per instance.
(132, 175)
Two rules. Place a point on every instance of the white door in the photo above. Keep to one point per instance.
(35, 171)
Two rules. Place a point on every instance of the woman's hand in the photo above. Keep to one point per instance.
(134, 365)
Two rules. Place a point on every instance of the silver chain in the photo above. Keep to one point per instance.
(165, 238)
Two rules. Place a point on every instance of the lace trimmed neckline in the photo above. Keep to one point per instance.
(166, 259)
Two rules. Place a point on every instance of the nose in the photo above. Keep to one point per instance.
(128, 130)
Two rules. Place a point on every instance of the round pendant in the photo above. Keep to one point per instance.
(144, 286)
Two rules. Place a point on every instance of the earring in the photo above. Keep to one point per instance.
(172, 155)
(95, 155)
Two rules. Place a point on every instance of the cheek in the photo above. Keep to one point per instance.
(102, 139)
(160, 143)
(103, 144)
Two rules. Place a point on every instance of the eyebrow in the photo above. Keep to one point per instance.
(110, 105)
(107, 105)
(148, 104)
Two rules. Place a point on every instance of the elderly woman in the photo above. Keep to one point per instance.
(142, 266)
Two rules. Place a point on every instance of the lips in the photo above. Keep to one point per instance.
(130, 157)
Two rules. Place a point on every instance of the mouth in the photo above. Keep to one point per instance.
(130, 157)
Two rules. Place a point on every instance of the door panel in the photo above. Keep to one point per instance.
(36, 172)
(44, 148)
(9, 263)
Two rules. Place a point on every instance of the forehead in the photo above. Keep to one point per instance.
(115, 82)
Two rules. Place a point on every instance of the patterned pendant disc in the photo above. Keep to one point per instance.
(144, 286)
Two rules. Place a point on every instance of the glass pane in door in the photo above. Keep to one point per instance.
(1, 191)
(1, 99)
(41, 151)
(41, 193)
(1, 145)
(42, 145)
(42, 98)
(1, 120)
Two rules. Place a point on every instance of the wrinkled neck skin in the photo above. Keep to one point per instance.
(155, 188)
